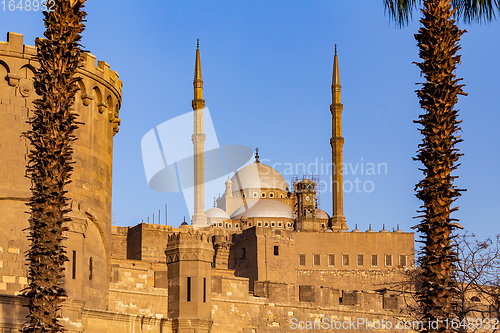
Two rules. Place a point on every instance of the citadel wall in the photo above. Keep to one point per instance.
(89, 238)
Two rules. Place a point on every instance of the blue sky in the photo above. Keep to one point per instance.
(267, 69)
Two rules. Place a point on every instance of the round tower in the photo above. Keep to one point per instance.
(97, 104)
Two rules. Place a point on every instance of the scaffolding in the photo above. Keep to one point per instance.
(315, 179)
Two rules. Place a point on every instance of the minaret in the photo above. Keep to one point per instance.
(199, 219)
(337, 142)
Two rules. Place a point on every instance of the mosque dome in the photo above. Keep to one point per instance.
(258, 175)
(321, 214)
(264, 208)
(216, 213)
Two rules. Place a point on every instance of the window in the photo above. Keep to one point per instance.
(204, 290)
(280, 224)
(73, 273)
(91, 268)
(360, 260)
(271, 195)
(266, 224)
(345, 260)
(220, 224)
(331, 260)
(273, 224)
(259, 223)
(302, 259)
(288, 225)
(227, 225)
(276, 250)
(388, 260)
(255, 195)
(188, 289)
(263, 194)
(281, 195)
(237, 225)
(374, 262)
(402, 260)
(322, 226)
(316, 260)
(214, 224)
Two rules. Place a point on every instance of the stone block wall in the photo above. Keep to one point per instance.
(148, 242)
(138, 288)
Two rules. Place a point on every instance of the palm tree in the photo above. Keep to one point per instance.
(50, 161)
(438, 41)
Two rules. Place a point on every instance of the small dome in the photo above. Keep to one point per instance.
(264, 208)
(258, 175)
(370, 230)
(398, 231)
(356, 230)
(216, 212)
(184, 223)
(384, 230)
(321, 214)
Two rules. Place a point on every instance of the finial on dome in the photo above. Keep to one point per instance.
(257, 155)
(335, 48)
(198, 45)
(214, 201)
(184, 223)
(383, 226)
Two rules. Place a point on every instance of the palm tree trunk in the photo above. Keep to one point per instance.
(438, 42)
(50, 161)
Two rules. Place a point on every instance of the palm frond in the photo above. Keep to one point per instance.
(401, 11)
(476, 10)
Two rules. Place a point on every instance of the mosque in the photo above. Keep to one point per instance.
(264, 259)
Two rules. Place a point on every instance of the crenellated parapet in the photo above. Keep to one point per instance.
(189, 245)
(100, 87)
(189, 236)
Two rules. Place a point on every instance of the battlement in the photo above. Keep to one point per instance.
(189, 235)
(14, 47)
(102, 70)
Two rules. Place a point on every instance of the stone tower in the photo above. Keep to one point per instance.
(88, 240)
(337, 220)
(306, 206)
(199, 219)
(189, 258)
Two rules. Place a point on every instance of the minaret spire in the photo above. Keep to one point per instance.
(337, 143)
(199, 219)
